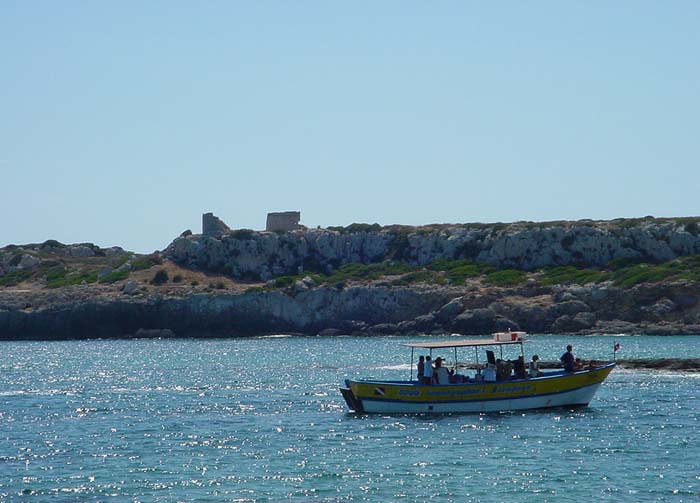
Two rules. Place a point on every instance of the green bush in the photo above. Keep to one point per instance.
(75, 278)
(418, 277)
(356, 227)
(570, 274)
(243, 234)
(177, 278)
(506, 277)
(285, 281)
(145, 262)
(458, 271)
(161, 277)
(115, 276)
(16, 277)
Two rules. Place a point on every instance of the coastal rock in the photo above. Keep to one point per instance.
(476, 321)
(131, 288)
(79, 251)
(661, 308)
(245, 254)
(447, 312)
(154, 333)
(326, 332)
(28, 262)
(567, 323)
(384, 329)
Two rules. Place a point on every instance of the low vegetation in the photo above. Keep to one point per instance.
(623, 273)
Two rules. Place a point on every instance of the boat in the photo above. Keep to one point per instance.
(552, 388)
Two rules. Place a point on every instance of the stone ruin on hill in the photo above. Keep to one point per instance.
(213, 226)
(276, 222)
(283, 221)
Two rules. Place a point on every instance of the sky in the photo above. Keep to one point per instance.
(122, 122)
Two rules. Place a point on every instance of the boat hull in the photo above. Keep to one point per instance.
(552, 390)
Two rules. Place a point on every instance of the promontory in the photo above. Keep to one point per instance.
(639, 276)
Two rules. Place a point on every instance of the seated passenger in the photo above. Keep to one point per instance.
(489, 373)
(535, 367)
(503, 370)
(441, 374)
(519, 368)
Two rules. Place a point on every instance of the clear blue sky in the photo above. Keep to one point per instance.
(122, 122)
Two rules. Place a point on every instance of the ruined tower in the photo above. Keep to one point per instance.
(283, 221)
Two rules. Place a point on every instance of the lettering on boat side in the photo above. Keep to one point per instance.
(507, 388)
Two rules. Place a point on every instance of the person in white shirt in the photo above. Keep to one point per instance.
(428, 371)
(490, 373)
(441, 373)
(535, 366)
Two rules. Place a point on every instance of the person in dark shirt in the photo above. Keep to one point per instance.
(421, 367)
(568, 359)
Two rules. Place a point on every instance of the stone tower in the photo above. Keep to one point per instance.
(213, 226)
(283, 221)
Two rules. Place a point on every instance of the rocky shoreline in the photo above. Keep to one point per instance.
(82, 312)
(363, 280)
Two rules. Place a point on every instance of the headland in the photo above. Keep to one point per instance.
(636, 276)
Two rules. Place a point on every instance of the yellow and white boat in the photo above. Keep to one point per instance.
(554, 388)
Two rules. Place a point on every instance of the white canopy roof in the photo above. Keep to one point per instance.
(458, 343)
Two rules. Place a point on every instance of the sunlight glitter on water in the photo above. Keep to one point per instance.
(195, 420)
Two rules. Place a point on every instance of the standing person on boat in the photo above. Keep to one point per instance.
(428, 371)
(568, 359)
(421, 367)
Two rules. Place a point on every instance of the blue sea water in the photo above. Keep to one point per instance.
(261, 420)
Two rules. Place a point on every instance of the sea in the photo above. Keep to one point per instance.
(261, 420)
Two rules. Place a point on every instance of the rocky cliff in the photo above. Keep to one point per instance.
(431, 280)
(527, 246)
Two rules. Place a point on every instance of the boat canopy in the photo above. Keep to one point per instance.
(460, 343)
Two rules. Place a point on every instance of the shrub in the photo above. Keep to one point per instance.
(243, 234)
(194, 283)
(161, 277)
(569, 274)
(285, 281)
(52, 243)
(400, 247)
(114, 276)
(417, 277)
(145, 262)
(220, 285)
(15, 277)
(177, 278)
(506, 277)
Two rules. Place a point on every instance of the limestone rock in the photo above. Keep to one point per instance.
(131, 288)
(447, 312)
(476, 321)
(28, 262)
(80, 251)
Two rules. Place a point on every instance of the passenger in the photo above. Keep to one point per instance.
(568, 359)
(535, 367)
(578, 364)
(519, 368)
(421, 367)
(428, 371)
(441, 375)
(503, 370)
(489, 373)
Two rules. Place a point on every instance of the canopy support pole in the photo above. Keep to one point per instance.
(410, 372)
